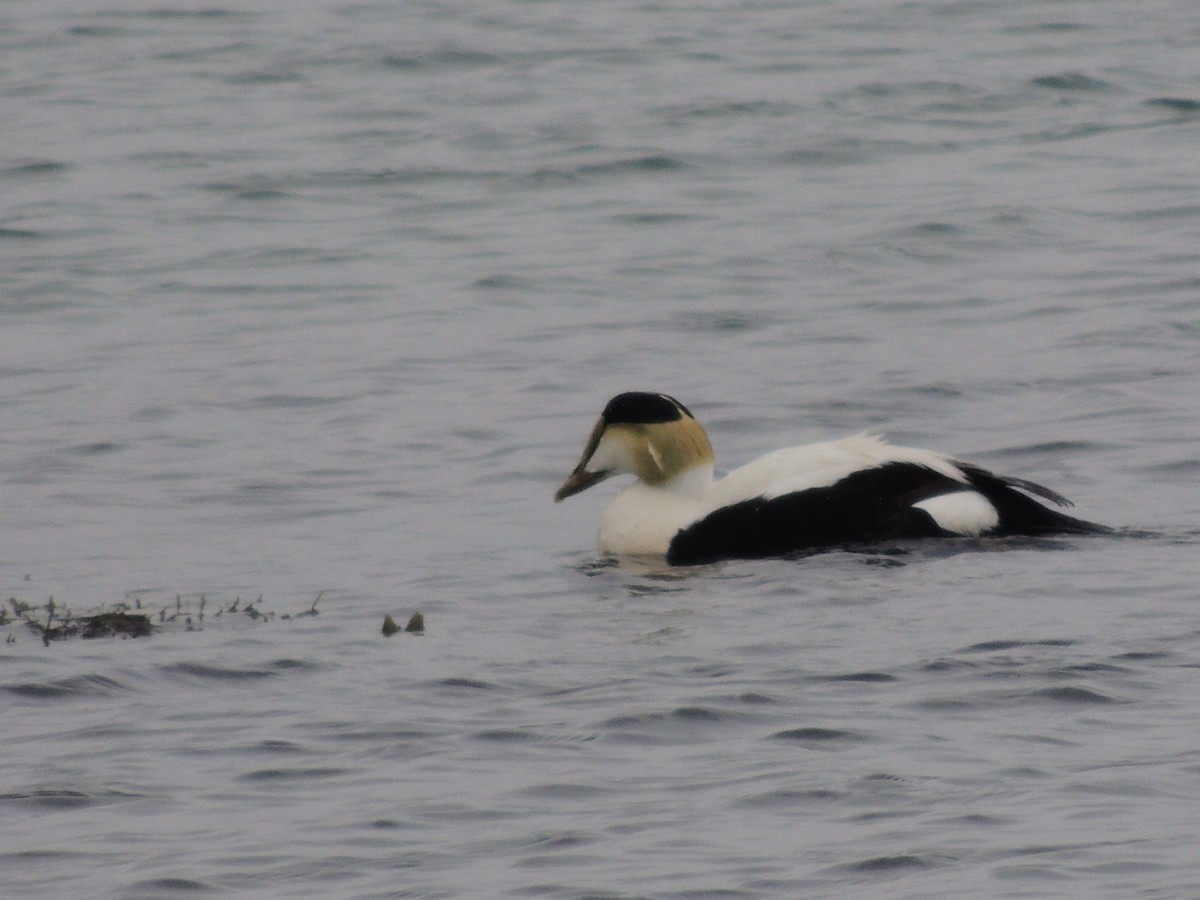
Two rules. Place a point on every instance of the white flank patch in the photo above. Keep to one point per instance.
(963, 512)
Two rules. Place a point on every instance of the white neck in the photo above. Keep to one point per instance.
(694, 481)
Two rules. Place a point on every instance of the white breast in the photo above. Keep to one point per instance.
(641, 520)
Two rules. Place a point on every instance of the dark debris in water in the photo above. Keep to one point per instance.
(132, 617)
(115, 624)
(416, 625)
(61, 623)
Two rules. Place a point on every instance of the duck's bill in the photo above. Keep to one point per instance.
(579, 480)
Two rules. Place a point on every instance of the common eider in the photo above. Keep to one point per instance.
(859, 489)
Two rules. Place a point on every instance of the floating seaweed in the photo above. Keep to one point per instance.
(132, 617)
(60, 623)
(115, 624)
(136, 617)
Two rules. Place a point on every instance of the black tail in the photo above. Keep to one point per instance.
(1019, 513)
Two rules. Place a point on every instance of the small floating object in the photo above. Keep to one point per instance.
(115, 624)
(416, 625)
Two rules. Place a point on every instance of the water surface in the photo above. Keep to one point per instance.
(324, 297)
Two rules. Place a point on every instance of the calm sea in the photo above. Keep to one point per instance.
(309, 306)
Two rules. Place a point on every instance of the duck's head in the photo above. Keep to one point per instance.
(652, 436)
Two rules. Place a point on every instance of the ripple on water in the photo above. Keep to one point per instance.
(169, 887)
(1182, 105)
(860, 677)
(697, 714)
(21, 234)
(52, 800)
(33, 168)
(1071, 82)
(205, 672)
(1070, 695)
(563, 791)
(790, 800)
(504, 736)
(819, 738)
(993, 646)
(300, 774)
(680, 725)
(887, 865)
(465, 684)
(73, 688)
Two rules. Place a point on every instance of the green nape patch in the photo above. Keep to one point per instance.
(132, 617)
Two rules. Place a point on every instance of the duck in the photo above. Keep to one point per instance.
(794, 501)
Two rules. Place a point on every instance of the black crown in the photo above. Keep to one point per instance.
(639, 408)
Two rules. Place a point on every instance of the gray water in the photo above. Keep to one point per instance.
(319, 300)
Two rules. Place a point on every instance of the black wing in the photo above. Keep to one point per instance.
(871, 505)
